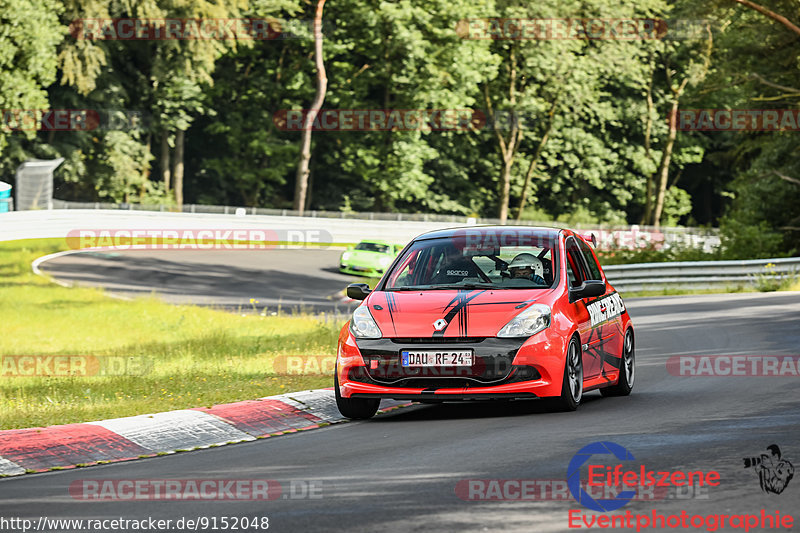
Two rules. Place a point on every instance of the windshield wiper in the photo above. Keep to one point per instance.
(466, 286)
(449, 287)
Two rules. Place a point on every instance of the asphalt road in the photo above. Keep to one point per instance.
(399, 471)
(289, 279)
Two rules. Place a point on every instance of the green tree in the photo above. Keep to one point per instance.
(402, 55)
(758, 62)
(29, 39)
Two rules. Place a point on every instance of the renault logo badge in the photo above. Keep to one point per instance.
(440, 324)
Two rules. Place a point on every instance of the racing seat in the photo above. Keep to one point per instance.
(455, 272)
(547, 267)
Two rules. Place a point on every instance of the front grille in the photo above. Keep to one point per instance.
(437, 340)
(433, 383)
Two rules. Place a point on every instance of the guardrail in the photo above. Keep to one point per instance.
(693, 275)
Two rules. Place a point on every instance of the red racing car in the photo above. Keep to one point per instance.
(483, 313)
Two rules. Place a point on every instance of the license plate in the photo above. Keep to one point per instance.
(413, 358)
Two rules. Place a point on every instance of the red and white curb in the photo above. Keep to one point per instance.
(122, 439)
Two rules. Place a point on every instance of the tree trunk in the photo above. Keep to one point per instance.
(149, 150)
(165, 170)
(178, 170)
(648, 201)
(309, 192)
(505, 188)
(663, 169)
(507, 149)
(301, 179)
(535, 159)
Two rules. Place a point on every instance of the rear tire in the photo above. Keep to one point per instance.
(627, 369)
(572, 384)
(355, 408)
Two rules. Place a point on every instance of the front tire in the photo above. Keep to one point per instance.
(355, 408)
(627, 370)
(572, 384)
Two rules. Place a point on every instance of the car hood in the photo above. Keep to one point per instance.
(468, 313)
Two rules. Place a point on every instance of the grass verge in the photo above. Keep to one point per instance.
(199, 356)
(683, 292)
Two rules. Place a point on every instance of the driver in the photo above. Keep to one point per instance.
(527, 266)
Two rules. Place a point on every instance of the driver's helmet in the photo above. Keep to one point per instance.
(526, 265)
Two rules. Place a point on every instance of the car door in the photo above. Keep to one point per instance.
(606, 343)
(577, 273)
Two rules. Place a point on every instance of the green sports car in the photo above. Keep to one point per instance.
(369, 258)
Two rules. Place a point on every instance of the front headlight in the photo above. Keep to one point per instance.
(385, 261)
(345, 256)
(363, 326)
(529, 322)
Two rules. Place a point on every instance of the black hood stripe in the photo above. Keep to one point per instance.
(458, 306)
(391, 305)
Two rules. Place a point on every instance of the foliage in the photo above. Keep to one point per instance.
(768, 280)
(29, 36)
(652, 254)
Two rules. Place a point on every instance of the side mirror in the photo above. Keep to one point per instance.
(358, 291)
(588, 289)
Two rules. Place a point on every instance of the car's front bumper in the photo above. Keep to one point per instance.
(502, 368)
(360, 270)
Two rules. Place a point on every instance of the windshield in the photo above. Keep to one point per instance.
(498, 261)
(373, 247)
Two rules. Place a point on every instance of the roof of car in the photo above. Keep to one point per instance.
(375, 241)
(451, 232)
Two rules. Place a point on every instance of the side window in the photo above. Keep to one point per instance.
(575, 273)
(405, 272)
(486, 265)
(594, 270)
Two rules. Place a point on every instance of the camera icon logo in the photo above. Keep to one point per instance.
(774, 472)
